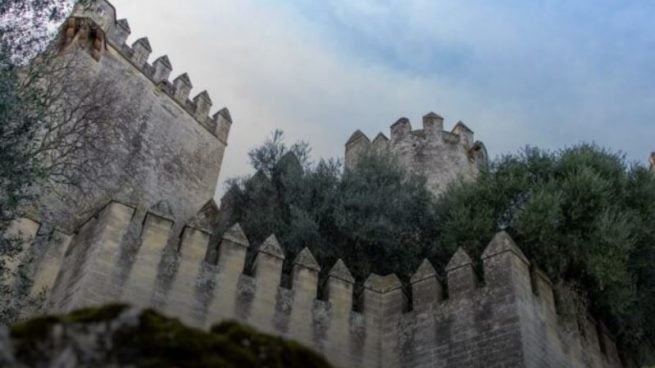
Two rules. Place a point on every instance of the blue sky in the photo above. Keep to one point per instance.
(544, 73)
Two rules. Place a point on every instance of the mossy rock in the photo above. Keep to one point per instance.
(156, 341)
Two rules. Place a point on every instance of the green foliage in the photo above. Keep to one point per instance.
(158, 341)
(375, 217)
(18, 128)
(582, 214)
(23, 34)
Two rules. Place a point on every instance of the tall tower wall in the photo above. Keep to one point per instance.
(169, 153)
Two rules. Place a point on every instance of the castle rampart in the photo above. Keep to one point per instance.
(505, 317)
(441, 156)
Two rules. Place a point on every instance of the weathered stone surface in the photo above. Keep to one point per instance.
(169, 152)
(438, 155)
(383, 284)
(459, 259)
(272, 247)
(341, 272)
(307, 260)
(235, 235)
(424, 271)
(502, 243)
(207, 217)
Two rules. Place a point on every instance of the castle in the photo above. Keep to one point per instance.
(149, 241)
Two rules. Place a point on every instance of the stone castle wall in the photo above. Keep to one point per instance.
(172, 151)
(506, 318)
(148, 241)
(441, 156)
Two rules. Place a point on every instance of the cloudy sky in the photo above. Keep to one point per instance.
(545, 73)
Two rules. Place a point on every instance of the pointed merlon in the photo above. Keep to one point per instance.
(383, 284)
(235, 235)
(225, 113)
(163, 209)
(124, 24)
(502, 243)
(399, 122)
(357, 136)
(143, 41)
(164, 60)
(340, 271)
(432, 115)
(460, 259)
(183, 78)
(272, 247)
(307, 260)
(380, 138)
(207, 215)
(461, 127)
(425, 271)
(204, 95)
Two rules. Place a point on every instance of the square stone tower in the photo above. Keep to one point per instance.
(168, 156)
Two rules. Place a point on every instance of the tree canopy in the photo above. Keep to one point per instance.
(377, 218)
(582, 214)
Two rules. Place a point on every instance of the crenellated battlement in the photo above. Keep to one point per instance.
(507, 313)
(438, 154)
(96, 22)
(432, 129)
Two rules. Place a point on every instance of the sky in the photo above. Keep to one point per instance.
(543, 73)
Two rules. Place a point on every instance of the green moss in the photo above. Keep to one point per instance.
(272, 351)
(35, 329)
(159, 341)
(95, 314)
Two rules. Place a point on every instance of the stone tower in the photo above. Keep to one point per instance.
(170, 155)
(441, 156)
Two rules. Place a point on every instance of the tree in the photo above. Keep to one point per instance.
(582, 214)
(27, 26)
(377, 217)
(57, 119)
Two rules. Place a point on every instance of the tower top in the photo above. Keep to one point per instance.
(439, 155)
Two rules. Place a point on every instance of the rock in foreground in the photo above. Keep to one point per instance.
(120, 336)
